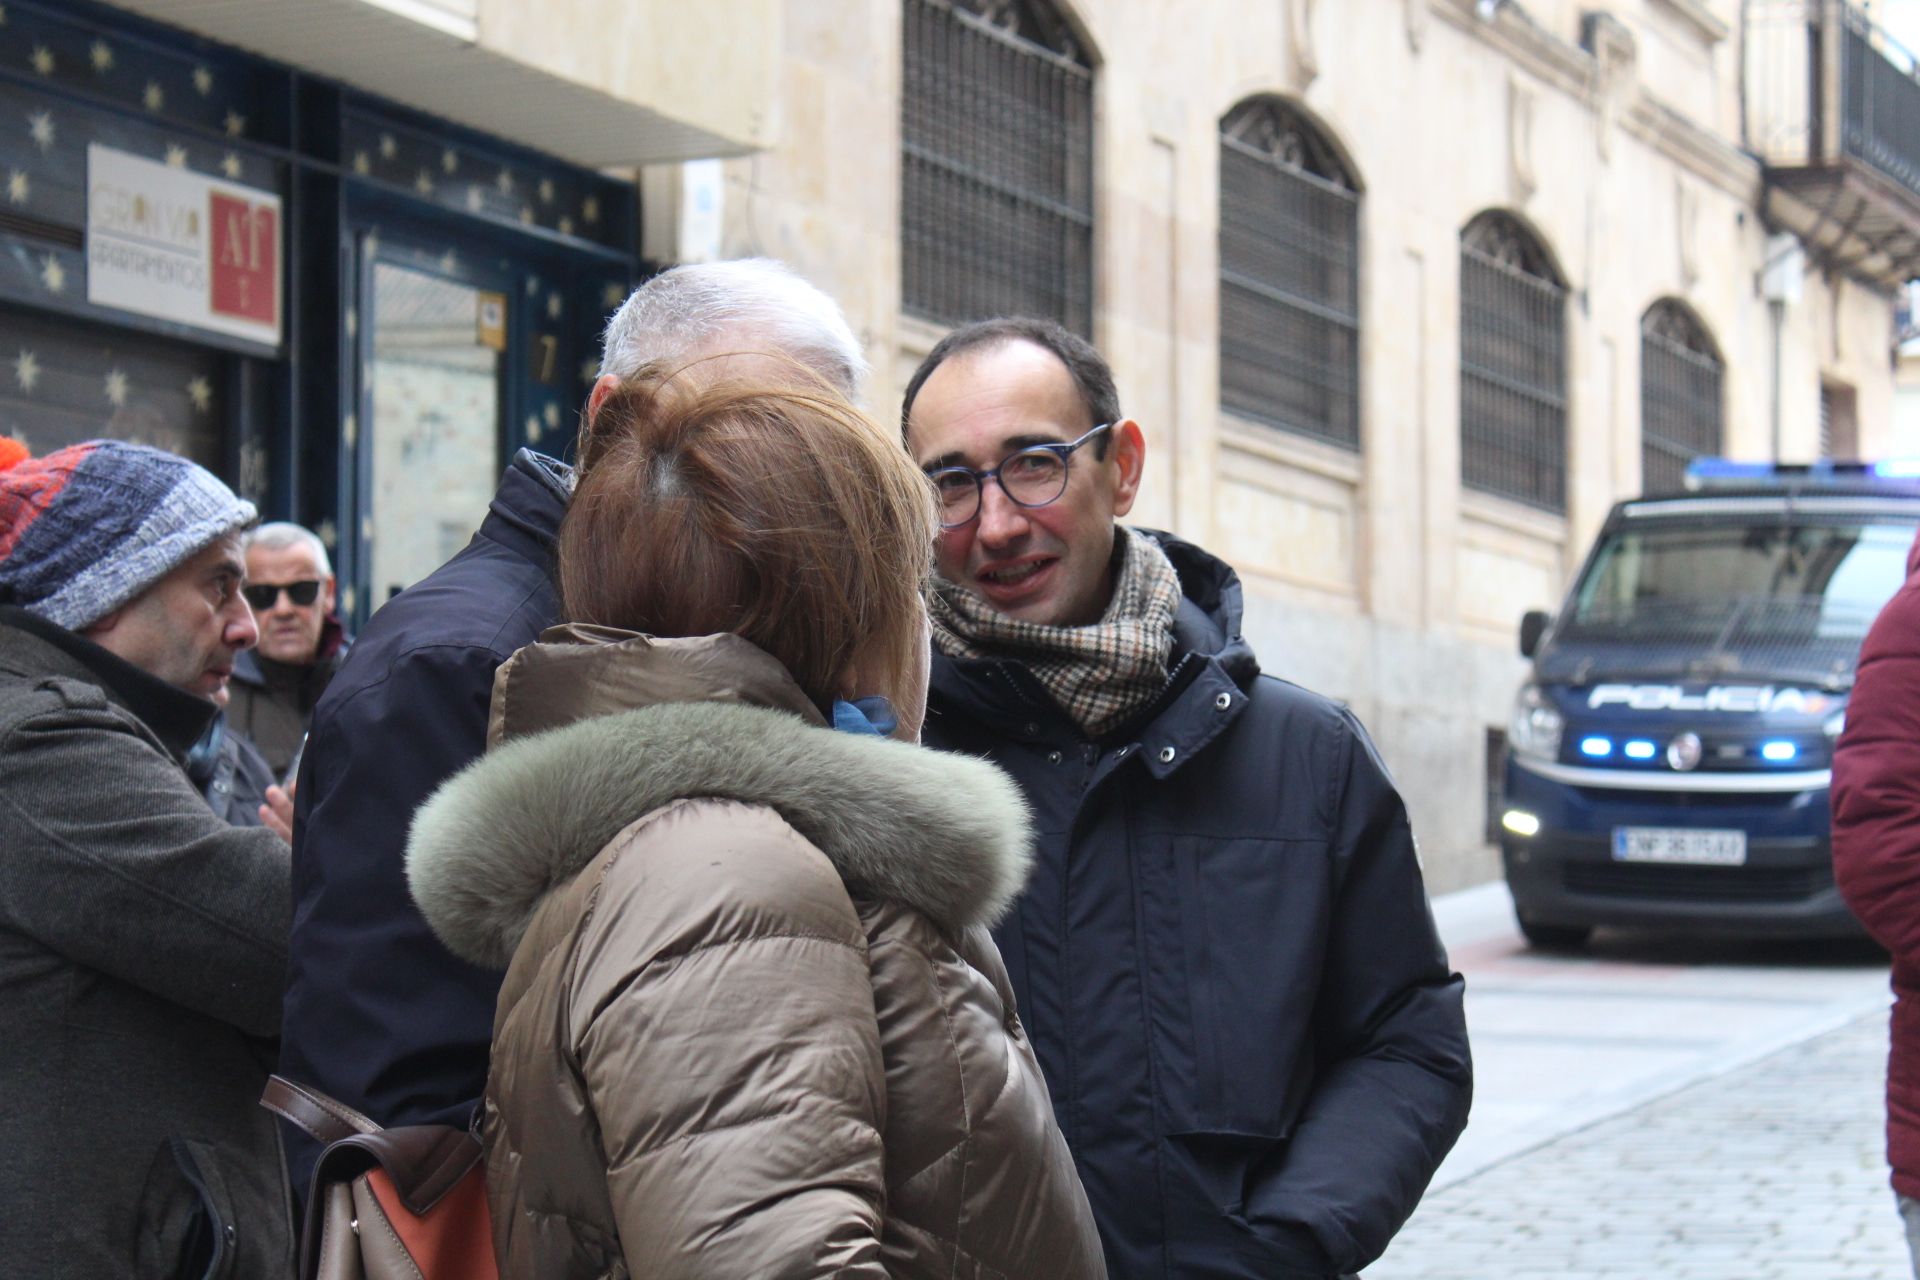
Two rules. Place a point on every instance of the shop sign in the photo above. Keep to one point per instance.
(180, 246)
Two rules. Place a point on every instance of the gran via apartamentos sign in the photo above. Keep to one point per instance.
(177, 245)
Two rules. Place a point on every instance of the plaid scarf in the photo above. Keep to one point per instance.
(1099, 674)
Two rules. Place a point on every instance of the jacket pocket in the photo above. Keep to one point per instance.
(187, 1229)
(1253, 933)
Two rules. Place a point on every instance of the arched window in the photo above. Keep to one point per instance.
(1289, 275)
(1680, 380)
(996, 188)
(1513, 364)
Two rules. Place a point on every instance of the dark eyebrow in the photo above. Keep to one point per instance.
(1011, 445)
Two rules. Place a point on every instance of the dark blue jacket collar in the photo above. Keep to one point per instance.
(526, 510)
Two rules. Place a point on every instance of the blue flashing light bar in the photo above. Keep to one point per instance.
(1598, 748)
(1723, 473)
(1779, 751)
(1640, 749)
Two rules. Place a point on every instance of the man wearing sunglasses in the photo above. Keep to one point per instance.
(276, 684)
(1224, 956)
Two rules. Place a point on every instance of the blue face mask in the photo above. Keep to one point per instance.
(871, 716)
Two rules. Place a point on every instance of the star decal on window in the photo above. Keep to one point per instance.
(200, 392)
(116, 387)
(475, 201)
(155, 97)
(19, 186)
(176, 156)
(40, 129)
(362, 163)
(26, 370)
(202, 81)
(236, 124)
(42, 59)
(449, 161)
(231, 165)
(554, 306)
(53, 275)
(388, 147)
(101, 55)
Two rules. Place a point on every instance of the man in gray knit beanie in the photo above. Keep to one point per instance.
(146, 939)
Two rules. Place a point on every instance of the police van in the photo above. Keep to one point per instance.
(1668, 758)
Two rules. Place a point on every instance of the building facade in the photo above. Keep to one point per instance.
(1404, 292)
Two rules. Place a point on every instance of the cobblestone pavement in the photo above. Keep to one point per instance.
(1773, 1171)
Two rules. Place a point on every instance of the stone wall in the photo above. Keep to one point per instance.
(1372, 576)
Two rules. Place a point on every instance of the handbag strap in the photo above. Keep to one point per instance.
(312, 1112)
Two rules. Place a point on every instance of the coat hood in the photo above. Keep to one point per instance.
(630, 724)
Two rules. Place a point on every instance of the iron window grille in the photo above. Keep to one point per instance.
(1289, 275)
(996, 199)
(1680, 393)
(1513, 365)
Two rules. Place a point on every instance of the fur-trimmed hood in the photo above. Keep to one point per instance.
(946, 835)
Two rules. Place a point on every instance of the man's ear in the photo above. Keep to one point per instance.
(103, 624)
(1130, 457)
(603, 386)
(327, 597)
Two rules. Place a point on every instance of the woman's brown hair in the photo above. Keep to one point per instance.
(779, 513)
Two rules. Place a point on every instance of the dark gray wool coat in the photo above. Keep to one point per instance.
(143, 943)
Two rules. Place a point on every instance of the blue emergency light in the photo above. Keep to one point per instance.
(1729, 473)
(1598, 748)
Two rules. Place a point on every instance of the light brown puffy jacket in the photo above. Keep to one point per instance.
(753, 1024)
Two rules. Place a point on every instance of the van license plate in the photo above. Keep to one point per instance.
(1680, 844)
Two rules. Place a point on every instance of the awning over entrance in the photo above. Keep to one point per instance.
(610, 82)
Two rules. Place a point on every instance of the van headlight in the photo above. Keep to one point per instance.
(1534, 733)
(1835, 723)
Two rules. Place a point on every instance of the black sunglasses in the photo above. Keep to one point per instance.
(261, 595)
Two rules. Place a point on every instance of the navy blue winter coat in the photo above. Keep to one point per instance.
(1225, 959)
(378, 1013)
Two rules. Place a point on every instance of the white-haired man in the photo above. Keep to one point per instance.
(378, 1013)
(302, 644)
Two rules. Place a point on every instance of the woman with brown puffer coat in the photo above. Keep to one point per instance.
(753, 1024)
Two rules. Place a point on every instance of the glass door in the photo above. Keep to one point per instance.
(433, 384)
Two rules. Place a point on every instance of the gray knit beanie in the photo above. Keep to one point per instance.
(88, 528)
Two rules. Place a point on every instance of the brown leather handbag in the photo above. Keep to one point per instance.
(407, 1203)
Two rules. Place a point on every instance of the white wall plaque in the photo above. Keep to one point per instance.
(180, 246)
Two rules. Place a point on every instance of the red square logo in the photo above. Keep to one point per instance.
(246, 259)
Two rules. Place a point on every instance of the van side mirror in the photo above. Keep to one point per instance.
(1532, 626)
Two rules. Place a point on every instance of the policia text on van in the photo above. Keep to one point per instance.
(1668, 759)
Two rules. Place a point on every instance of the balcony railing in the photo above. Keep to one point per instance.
(1833, 110)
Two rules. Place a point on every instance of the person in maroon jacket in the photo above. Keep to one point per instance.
(1876, 854)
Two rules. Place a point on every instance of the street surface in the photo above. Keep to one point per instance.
(1661, 1108)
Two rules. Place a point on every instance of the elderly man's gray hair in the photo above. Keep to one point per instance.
(716, 308)
(279, 535)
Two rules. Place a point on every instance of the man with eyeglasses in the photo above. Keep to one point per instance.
(1224, 956)
(302, 643)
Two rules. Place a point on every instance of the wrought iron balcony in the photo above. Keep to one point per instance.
(1833, 110)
